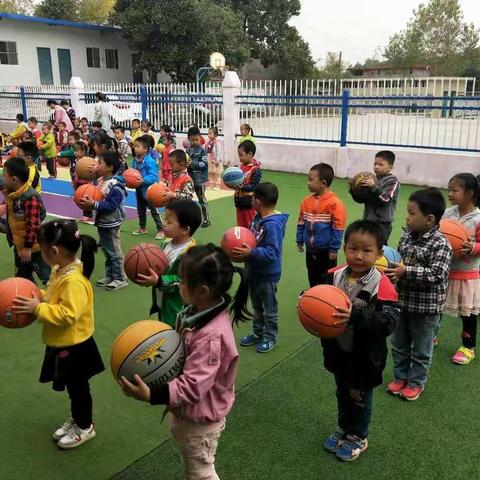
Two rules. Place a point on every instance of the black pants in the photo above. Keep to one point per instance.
(52, 166)
(318, 264)
(36, 264)
(469, 331)
(202, 199)
(80, 402)
(142, 205)
(387, 231)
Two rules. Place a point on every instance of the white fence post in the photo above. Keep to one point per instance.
(231, 116)
(76, 88)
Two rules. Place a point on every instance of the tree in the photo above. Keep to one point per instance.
(95, 11)
(60, 9)
(22, 7)
(333, 67)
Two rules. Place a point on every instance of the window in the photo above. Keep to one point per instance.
(111, 58)
(8, 53)
(93, 57)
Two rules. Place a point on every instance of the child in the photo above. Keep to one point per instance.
(357, 357)
(264, 267)
(136, 131)
(33, 127)
(181, 185)
(85, 129)
(122, 147)
(16, 135)
(214, 152)
(252, 177)
(62, 136)
(422, 288)
(77, 125)
(109, 217)
(69, 152)
(201, 397)
(198, 170)
(463, 294)
(103, 143)
(29, 152)
(96, 130)
(80, 151)
(146, 129)
(25, 213)
(320, 226)
(246, 133)
(49, 149)
(66, 312)
(145, 164)
(65, 104)
(168, 148)
(381, 201)
(166, 130)
(182, 219)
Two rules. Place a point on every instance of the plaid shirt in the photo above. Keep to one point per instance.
(423, 289)
(33, 211)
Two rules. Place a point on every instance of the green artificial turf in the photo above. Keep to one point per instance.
(277, 425)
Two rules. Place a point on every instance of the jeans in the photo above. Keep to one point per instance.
(142, 205)
(80, 402)
(318, 265)
(354, 408)
(112, 248)
(412, 346)
(265, 308)
(202, 200)
(36, 264)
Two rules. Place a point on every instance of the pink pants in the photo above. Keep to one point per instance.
(198, 444)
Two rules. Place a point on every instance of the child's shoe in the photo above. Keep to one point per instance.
(351, 448)
(160, 235)
(63, 430)
(396, 386)
(411, 393)
(249, 340)
(76, 436)
(205, 224)
(103, 282)
(140, 231)
(463, 356)
(334, 441)
(116, 285)
(265, 346)
(435, 342)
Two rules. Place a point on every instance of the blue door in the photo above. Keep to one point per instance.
(64, 65)
(45, 66)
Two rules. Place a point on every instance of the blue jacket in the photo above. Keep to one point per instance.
(198, 168)
(110, 212)
(265, 262)
(149, 170)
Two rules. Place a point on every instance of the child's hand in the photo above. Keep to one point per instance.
(93, 169)
(332, 255)
(25, 304)
(397, 272)
(148, 280)
(242, 253)
(343, 315)
(238, 187)
(368, 182)
(467, 248)
(300, 247)
(167, 196)
(140, 390)
(25, 255)
(86, 203)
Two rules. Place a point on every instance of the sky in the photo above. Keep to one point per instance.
(357, 27)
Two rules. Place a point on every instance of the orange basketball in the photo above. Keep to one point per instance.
(235, 237)
(142, 257)
(63, 161)
(316, 307)
(133, 178)
(84, 167)
(455, 233)
(87, 190)
(155, 194)
(11, 288)
(356, 185)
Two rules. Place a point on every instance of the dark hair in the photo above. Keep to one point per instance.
(386, 155)
(166, 128)
(65, 233)
(248, 147)
(146, 140)
(136, 120)
(111, 159)
(20, 117)
(84, 118)
(469, 183)
(178, 156)
(267, 193)
(209, 265)
(246, 125)
(51, 101)
(188, 214)
(17, 167)
(147, 123)
(366, 226)
(430, 201)
(47, 124)
(193, 131)
(75, 134)
(100, 96)
(30, 149)
(80, 146)
(105, 140)
(29, 134)
(65, 102)
(97, 124)
(214, 130)
(118, 127)
(325, 172)
(62, 123)
(32, 119)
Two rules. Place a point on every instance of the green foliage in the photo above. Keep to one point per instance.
(90, 11)
(333, 67)
(60, 9)
(21, 7)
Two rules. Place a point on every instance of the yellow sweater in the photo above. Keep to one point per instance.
(34, 179)
(67, 311)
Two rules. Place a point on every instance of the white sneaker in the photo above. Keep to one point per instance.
(103, 282)
(64, 429)
(116, 285)
(76, 436)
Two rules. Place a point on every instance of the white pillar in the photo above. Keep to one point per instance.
(231, 116)
(76, 89)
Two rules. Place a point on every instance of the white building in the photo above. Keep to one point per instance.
(35, 50)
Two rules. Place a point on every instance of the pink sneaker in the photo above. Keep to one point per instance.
(411, 393)
(463, 356)
(396, 386)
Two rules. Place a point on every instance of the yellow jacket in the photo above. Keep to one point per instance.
(67, 311)
(34, 179)
(18, 131)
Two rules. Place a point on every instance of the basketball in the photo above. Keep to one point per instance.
(392, 255)
(316, 307)
(232, 177)
(356, 187)
(87, 190)
(235, 237)
(84, 166)
(11, 288)
(186, 144)
(133, 178)
(63, 161)
(150, 349)
(142, 257)
(456, 234)
(156, 194)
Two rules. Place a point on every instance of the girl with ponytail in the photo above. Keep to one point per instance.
(66, 312)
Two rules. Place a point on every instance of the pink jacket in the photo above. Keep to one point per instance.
(61, 115)
(205, 391)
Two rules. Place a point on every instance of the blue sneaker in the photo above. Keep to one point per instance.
(351, 449)
(334, 441)
(265, 346)
(250, 340)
